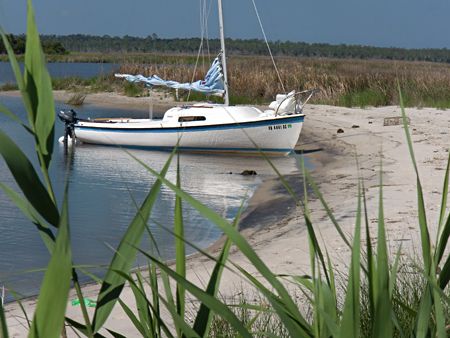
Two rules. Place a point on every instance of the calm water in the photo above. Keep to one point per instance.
(101, 182)
(63, 69)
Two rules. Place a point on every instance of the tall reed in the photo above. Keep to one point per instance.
(160, 289)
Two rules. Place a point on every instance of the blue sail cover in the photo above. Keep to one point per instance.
(211, 85)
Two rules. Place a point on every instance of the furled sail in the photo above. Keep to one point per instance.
(211, 85)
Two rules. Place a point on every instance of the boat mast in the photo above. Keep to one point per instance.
(224, 59)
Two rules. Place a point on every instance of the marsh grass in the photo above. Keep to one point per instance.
(349, 83)
(133, 90)
(378, 297)
(254, 312)
(8, 86)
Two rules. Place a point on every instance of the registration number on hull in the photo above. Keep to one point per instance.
(280, 126)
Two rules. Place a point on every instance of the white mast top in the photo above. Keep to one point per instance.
(224, 59)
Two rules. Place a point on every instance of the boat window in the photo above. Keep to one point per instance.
(191, 118)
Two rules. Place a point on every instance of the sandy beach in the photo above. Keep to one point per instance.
(282, 242)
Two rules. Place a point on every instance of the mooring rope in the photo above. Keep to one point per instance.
(267, 44)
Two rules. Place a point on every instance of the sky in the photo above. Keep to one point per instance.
(383, 23)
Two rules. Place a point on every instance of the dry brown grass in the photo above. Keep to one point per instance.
(341, 82)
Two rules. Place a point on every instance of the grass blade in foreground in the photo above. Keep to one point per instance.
(39, 87)
(350, 325)
(204, 315)
(27, 209)
(424, 234)
(180, 252)
(28, 180)
(125, 255)
(443, 227)
(289, 305)
(3, 324)
(382, 326)
(54, 294)
(210, 301)
(13, 117)
(17, 73)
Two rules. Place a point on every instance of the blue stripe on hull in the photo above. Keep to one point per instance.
(295, 119)
(204, 149)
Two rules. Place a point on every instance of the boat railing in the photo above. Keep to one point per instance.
(299, 103)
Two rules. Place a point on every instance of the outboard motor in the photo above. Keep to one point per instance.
(70, 119)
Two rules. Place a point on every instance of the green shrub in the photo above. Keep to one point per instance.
(132, 89)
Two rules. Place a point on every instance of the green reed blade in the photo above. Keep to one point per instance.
(17, 74)
(332, 285)
(155, 311)
(444, 275)
(191, 244)
(424, 234)
(149, 232)
(394, 271)
(350, 323)
(3, 324)
(326, 311)
(439, 314)
(28, 180)
(300, 325)
(423, 315)
(115, 334)
(317, 251)
(296, 325)
(204, 314)
(314, 246)
(27, 209)
(330, 214)
(180, 252)
(443, 232)
(210, 301)
(332, 329)
(444, 195)
(81, 328)
(39, 87)
(154, 284)
(382, 324)
(142, 307)
(130, 314)
(125, 255)
(49, 315)
(369, 256)
(22, 308)
(235, 236)
(184, 329)
(12, 116)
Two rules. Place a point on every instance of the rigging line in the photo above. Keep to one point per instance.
(207, 13)
(267, 44)
(200, 48)
(203, 28)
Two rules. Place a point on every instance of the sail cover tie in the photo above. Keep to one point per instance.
(211, 85)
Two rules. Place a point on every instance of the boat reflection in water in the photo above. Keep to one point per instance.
(105, 181)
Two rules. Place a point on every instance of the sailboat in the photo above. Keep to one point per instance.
(200, 127)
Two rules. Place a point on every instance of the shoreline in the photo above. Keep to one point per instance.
(159, 100)
(282, 243)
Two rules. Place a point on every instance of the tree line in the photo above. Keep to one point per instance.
(60, 44)
(17, 42)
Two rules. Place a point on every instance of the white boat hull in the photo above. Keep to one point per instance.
(271, 135)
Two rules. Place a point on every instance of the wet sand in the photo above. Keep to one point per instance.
(282, 241)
